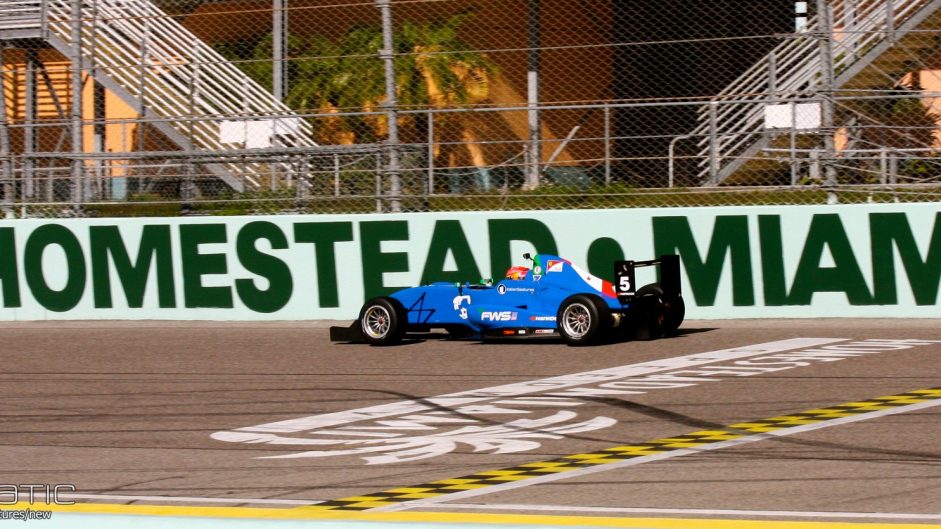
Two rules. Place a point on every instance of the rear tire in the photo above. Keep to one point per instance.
(583, 320)
(667, 314)
(382, 321)
(675, 313)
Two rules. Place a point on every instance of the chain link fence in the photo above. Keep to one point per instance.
(167, 107)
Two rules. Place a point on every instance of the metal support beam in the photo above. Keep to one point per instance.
(890, 22)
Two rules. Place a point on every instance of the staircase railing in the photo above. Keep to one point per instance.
(732, 127)
(176, 81)
(17, 16)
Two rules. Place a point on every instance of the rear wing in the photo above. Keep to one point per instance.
(625, 280)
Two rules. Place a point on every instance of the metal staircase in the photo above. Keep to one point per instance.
(874, 44)
(175, 81)
(20, 19)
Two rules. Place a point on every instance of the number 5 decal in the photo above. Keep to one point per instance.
(624, 285)
(624, 279)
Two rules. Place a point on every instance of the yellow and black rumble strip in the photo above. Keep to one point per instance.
(622, 453)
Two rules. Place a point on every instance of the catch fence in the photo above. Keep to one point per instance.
(165, 107)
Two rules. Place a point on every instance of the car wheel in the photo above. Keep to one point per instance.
(382, 321)
(667, 314)
(675, 312)
(583, 320)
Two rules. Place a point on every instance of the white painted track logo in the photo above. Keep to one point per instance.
(489, 420)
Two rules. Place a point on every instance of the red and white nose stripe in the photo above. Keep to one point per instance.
(606, 288)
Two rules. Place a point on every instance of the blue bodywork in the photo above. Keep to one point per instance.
(510, 306)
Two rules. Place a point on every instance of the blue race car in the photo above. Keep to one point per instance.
(552, 297)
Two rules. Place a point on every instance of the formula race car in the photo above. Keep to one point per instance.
(552, 297)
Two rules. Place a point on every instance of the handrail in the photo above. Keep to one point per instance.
(21, 14)
(738, 120)
(171, 74)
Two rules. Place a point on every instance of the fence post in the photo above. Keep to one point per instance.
(431, 153)
(825, 36)
(94, 184)
(279, 34)
(814, 169)
(378, 182)
(713, 144)
(883, 166)
(301, 191)
(607, 144)
(532, 95)
(29, 129)
(336, 175)
(893, 168)
(7, 155)
(792, 136)
(77, 104)
(186, 186)
(387, 54)
(246, 121)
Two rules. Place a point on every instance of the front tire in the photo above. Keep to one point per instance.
(583, 320)
(382, 321)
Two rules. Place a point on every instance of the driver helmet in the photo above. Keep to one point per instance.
(517, 272)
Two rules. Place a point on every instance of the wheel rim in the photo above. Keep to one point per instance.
(376, 322)
(576, 320)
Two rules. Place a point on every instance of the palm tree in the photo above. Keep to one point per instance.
(329, 78)
(901, 124)
(439, 72)
(434, 69)
(437, 68)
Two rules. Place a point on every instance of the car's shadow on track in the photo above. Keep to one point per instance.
(523, 340)
(416, 338)
(695, 330)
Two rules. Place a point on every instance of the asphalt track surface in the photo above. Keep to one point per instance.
(130, 413)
